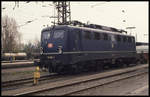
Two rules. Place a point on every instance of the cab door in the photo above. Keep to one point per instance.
(113, 43)
(78, 44)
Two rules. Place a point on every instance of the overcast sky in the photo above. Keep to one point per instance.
(104, 13)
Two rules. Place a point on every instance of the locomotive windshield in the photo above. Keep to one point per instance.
(45, 35)
(58, 34)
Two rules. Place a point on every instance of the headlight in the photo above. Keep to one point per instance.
(41, 49)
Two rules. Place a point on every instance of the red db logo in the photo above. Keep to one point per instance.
(50, 45)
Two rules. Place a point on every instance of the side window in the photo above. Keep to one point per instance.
(77, 34)
(87, 35)
(118, 38)
(133, 39)
(129, 39)
(77, 38)
(113, 38)
(96, 36)
(124, 38)
(105, 36)
(59, 34)
(45, 35)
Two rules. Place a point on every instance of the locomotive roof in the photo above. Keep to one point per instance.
(85, 28)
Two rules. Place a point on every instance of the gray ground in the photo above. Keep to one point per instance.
(133, 86)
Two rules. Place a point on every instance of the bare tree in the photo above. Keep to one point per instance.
(10, 35)
(32, 48)
(37, 45)
(28, 49)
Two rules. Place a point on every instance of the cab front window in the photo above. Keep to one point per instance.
(45, 35)
(58, 34)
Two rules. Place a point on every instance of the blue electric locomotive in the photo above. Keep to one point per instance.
(72, 48)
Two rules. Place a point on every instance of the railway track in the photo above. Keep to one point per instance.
(71, 86)
(17, 65)
(18, 61)
(24, 81)
(114, 79)
(15, 61)
(18, 82)
(11, 83)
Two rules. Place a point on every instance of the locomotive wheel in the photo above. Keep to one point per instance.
(99, 66)
(74, 69)
(119, 64)
(138, 62)
(50, 70)
(127, 64)
(64, 70)
(112, 65)
(143, 61)
(44, 69)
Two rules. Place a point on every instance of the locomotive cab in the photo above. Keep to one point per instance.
(53, 43)
(53, 40)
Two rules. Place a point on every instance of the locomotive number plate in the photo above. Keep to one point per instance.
(50, 57)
